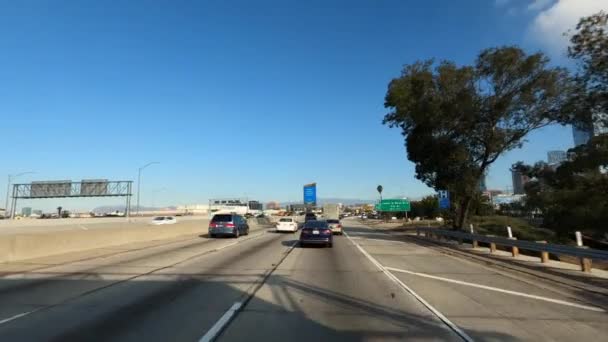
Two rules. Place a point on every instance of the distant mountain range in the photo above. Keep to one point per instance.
(345, 201)
(113, 208)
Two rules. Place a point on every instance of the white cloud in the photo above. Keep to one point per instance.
(549, 26)
(538, 4)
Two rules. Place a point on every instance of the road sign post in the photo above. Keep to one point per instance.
(444, 199)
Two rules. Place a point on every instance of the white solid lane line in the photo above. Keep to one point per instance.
(368, 233)
(489, 288)
(380, 240)
(219, 325)
(391, 276)
(6, 320)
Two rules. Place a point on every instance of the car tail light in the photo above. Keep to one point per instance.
(230, 225)
(212, 225)
(339, 226)
(326, 231)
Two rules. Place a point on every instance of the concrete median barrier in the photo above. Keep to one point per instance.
(22, 246)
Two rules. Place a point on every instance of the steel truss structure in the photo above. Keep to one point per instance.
(68, 189)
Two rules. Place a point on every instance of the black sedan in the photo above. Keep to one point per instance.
(316, 232)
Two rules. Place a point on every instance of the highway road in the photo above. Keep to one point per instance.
(265, 287)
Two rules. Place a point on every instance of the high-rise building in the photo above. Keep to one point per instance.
(556, 157)
(599, 126)
(581, 135)
(519, 181)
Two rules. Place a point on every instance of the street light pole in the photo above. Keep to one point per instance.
(139, 183)
(8, 187)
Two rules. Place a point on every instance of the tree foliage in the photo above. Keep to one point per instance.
(427, 207)
(589, 47)
(457, 120)
(574, 195)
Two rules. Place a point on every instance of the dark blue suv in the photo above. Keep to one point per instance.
(228, 224)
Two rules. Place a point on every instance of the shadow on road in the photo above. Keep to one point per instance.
(119, 304)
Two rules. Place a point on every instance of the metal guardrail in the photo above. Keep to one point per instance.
(580, 252)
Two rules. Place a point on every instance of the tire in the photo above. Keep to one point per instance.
(212, 236)
(302, 244)
(237, 233)
(330, 245)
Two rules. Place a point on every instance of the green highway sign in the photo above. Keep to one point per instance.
(393, 205)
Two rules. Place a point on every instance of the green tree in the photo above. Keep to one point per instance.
(573, 196)
(427, 207)
(457, 120)
(589, 48)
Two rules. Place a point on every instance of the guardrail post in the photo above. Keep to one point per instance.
(474, 243)
(418, 232)
(492, 247)
(509, 232)
(585, 264)
(544, 256)
(579, 239)
(514, 249)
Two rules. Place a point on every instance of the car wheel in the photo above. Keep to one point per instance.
(212, 236)
(330, 245)
(302, 244)
(237, 233)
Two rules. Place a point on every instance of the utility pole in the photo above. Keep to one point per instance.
(8, 187)
(139, 183)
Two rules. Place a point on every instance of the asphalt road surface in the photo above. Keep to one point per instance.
(369, 287)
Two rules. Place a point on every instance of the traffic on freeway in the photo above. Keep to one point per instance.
(371, 285)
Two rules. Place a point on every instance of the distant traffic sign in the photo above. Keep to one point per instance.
(444, 199)
(393, 205)
(310, 194)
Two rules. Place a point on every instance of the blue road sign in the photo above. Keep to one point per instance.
(444, 199)
(310, 194)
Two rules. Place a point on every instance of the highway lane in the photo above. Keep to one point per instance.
(487, 303)
(179, 290)
(333, 294)
(171, 294)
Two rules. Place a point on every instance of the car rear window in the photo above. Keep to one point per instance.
(315, 224)
(285, 220)
(222, 218)
(160, 218)
(333, 221)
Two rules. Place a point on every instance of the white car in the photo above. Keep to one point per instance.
(287, 224)
(335, 226)
(163, 220)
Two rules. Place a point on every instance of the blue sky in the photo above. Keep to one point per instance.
(236, 98)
